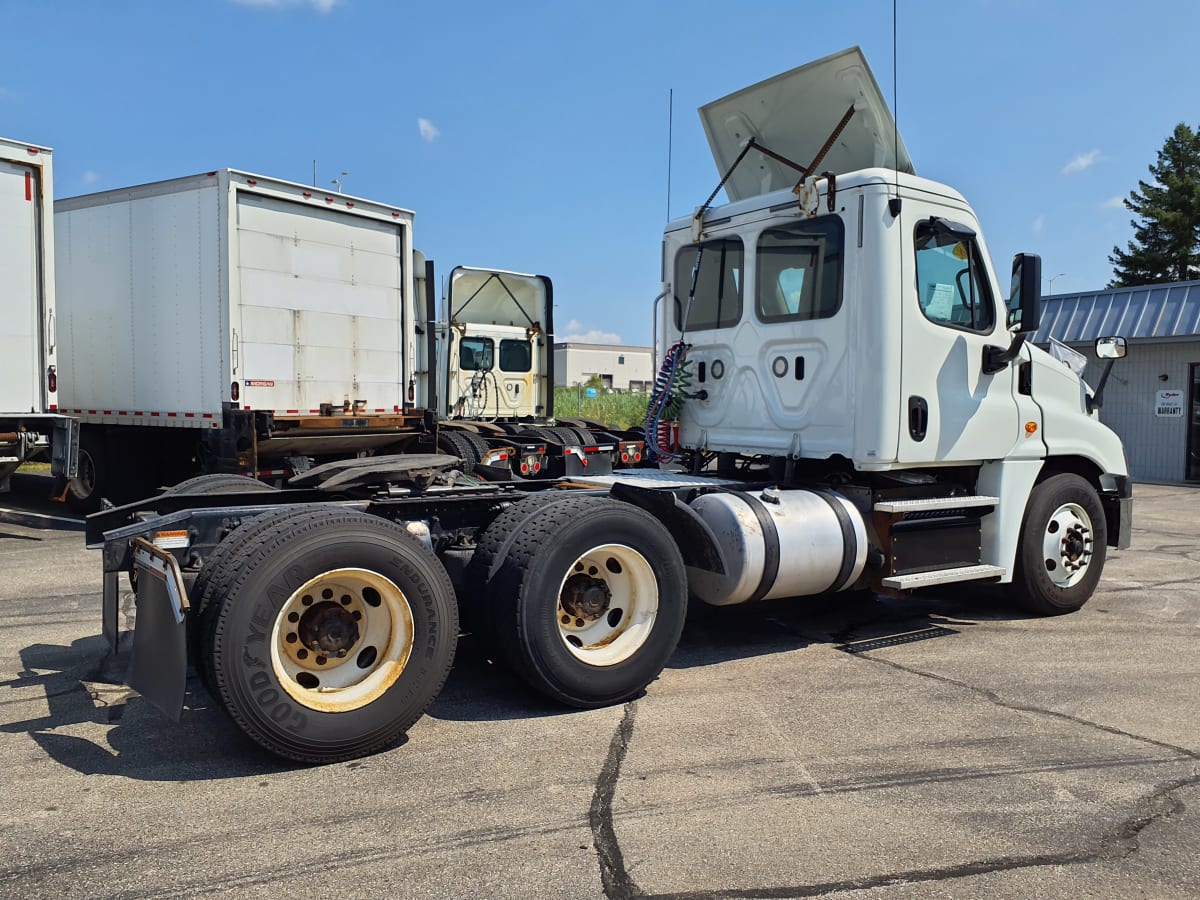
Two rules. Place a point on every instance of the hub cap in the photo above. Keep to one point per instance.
(607, 604)
(342, 639)
(1067, 545)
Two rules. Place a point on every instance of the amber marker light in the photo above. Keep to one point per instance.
(1031, 427)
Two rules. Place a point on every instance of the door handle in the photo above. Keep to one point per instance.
(918, 418)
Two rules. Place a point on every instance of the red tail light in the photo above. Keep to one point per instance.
(524, 468)
(52, 380)
(234, 391)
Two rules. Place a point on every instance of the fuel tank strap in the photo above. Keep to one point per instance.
(849, 540)
(770, 546)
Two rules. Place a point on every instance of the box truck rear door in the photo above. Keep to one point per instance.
(20, 299)
(320, 306)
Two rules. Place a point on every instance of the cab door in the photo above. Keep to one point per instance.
(952, 411)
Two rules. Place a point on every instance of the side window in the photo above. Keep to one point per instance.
(800, 271)
(718, 300)
(515, 356)
(475, 353)
(951, 285)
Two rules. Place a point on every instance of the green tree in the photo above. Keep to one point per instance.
(1166, 234)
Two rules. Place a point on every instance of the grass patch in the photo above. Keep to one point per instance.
(611, 408)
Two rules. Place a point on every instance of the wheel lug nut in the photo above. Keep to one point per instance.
(579, 623)
(342, 653)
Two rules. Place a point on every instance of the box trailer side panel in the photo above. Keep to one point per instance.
(140, 317)
(26, 302)
(318, 307)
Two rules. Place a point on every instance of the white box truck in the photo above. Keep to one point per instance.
(846, 402)
(31, 427)
(232, 323)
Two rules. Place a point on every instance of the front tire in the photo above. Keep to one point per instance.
(589, 601)
(331, 634)
(1062, 550)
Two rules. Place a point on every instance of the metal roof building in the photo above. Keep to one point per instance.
(1153, 395)
(1157, 311)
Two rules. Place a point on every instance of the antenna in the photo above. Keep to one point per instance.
(670, 137)
(895, 110)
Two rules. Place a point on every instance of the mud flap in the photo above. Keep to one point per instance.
(158, 670)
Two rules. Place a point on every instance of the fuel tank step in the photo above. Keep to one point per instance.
(942, 576)
(934, 503)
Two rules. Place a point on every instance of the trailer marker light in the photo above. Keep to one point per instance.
(395, 215)
(350, 204)
(33, 151)
(1031, 427)
(235, 391)
(328, 199)
(52, 380)
(28, 185)
(307, 195)
(251, 181)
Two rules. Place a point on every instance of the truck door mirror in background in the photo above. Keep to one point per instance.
(1110, 348)
(1025, 299)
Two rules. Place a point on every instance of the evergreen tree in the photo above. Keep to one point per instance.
(1166, 240)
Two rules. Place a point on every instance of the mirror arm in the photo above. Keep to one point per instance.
(1096, 400)
(995, 359)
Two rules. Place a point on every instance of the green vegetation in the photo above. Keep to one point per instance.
(618, 410)
(1166, 233)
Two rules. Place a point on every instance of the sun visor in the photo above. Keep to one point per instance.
(793, 115)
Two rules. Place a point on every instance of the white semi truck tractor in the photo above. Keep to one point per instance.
(846, 402)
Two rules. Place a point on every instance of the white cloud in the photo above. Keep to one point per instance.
(1081, 162)
(577, 332)
(1117, 202)
(429, 131)
(321, 6)
(1039, 224)
(89, 177)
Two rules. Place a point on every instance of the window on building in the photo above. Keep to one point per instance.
(800, 270)
(620, 360)
(952, 286)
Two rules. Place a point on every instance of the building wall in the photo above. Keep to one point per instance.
(1156, 447)
(620, 368)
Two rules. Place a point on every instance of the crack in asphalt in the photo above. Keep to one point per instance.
(617, 882)
(1121, 842)
(996, 699)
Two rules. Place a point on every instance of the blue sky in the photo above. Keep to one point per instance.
(533, 136)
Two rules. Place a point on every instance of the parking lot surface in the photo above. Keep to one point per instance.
(1000, 756)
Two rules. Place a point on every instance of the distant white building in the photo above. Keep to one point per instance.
(619, 368)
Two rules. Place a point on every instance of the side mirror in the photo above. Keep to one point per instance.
(1025, 299)
(1110, 348)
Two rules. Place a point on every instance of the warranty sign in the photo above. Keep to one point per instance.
(1168, 404)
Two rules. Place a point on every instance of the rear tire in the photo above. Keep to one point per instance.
(92, 479)
(589, 601)
(331, 633)
(1062, 549)
(456, 443)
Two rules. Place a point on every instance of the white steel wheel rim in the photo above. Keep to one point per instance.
(1067, 545)
(362, 627)
(607, 604)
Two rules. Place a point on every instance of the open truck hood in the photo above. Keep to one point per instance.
(794, 114)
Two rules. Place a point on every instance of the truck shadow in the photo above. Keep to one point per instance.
(717, 634)
(83, 683)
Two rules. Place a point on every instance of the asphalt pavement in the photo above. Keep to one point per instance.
(1000, 756)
